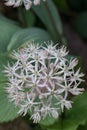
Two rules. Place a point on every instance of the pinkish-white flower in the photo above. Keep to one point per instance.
(27, 3)
(41, 80)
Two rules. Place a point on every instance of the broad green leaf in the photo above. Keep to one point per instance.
(74, 117)
(47, 121)
(82, 127)
(56, 126)
(61, 125)
(72, 124)
(49, 15)
(7, 29)
(78, 114)
(27, 35)
(4, 59)
(8, 111)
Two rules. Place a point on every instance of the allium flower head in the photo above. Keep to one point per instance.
(27, 3)
(41, 80)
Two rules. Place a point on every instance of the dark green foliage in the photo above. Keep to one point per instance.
(81, 24)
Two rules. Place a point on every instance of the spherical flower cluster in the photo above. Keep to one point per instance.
(41, 80)
(27, 3)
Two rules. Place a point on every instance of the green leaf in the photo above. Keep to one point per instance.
(8, 111)
(49, 120)
(73, 117)
(78, 114)
(7, 29)
(27, 35)
(49, 15)
(27, 18)
(4, 59)
(72, 124)
(82, 127)
(81, 24)
(56, 126)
